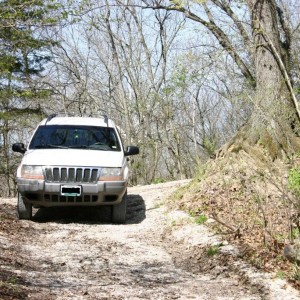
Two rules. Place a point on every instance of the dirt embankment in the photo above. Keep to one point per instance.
(79, 254)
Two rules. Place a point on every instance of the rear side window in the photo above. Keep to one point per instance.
(81, 137)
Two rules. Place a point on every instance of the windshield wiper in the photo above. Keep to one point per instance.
(50, 146)
(79, 146)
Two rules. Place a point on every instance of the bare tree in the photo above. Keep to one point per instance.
(178, 99)
(275, 117)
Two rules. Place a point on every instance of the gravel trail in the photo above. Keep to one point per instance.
(78, 254)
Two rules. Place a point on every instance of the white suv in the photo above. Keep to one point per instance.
(74, 161)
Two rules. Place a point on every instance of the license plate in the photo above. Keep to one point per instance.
(70, 191)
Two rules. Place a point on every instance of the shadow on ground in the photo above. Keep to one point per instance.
(136, 213)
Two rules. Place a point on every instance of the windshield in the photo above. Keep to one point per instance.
(78, 137)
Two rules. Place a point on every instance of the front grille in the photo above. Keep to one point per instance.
(75, 199)
(67, 174)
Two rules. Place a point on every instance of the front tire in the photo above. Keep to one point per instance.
(24, 209)
(119, 211)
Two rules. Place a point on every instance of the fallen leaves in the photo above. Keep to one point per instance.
(253, 207)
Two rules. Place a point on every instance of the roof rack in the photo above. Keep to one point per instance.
(50, 118)
(105, 119)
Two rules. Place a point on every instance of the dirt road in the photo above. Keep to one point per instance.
(78, 254)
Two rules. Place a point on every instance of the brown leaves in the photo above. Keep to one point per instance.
(250, 206)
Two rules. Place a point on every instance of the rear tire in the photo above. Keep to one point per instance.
(24, 209)
(119, 211)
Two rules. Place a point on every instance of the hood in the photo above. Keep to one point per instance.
(73, 157)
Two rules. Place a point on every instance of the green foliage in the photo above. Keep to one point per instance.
(179, 193)
(294, 181)
(296, 272)
(24, 52)
(295, 233)
(281, 274)
(158, 180)
(201, 219)
(209, 145)
(13, 280)
(213, 250)
(23, 49)
(199, 176)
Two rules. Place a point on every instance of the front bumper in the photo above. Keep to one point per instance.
(46, 194)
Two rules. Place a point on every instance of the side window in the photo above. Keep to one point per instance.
(114, 141)
(40, 138)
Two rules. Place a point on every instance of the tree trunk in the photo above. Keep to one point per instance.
(274, 121)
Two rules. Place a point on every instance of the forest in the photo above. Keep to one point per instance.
(208, 89)
(180, 77)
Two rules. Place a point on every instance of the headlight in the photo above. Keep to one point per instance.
(32, 172)
(111, 174)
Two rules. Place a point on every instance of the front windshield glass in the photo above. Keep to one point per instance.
(80, 137)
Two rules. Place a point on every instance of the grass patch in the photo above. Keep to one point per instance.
(294, 180)
(281, 274)
(296, 273)
(11, 287)
(201, 219)
(213, 250)
(158, 180)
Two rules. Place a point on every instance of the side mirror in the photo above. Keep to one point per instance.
(132, 150)
(19, 147)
